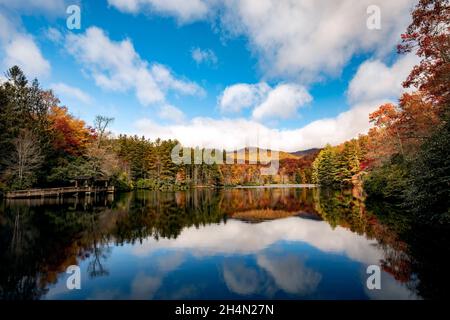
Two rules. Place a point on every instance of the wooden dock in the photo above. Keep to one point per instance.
(57, 192)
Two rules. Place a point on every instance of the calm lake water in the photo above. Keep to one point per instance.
(277, 243)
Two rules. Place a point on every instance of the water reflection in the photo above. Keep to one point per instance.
(238, 243)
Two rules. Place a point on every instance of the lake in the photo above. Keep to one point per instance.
(255, 243)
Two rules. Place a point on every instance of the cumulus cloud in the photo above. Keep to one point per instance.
(375, 80)
(145, 287)
(281, 102)
(237, 237)
(117, 66)
(374, 83)
(19, 48)
(171, 113)
(299, 39)
(167, 80)
(204, 56)
(23, 51)
(273, 272)
(307, 39)
(290, 273)
(251, 260)
(233, 134)
(224, 133)
(391, 289)
(65, 90)
(54, 35)
(300, 42)
(183, 10)
(7, 28)
(242, 95)
(57, 7)
(242, 279)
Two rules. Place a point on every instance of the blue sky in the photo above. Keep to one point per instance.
(280, 74)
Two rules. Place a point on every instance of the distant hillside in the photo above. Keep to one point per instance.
(252, 152)
(303, 153)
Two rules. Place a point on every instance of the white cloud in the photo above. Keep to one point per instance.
(282, 102)
(391, 289)
(305, 39)
(164, 77)
(54, 35)
(290, 273)
(32, 6)
(375, 80)
(242, 279)
(286, 272)
(19, 48)
(242, 95)
(237, 237)
(130, 6)
(145, 287)
(374, 83)
(211, 133)
(183, 10)
(301, 39)
(7, 28)
(117, 66)
(204, 56)
(299, 42)
(292, 38)
(236, 133)
(71, 92)
(23, 52)
(169, 112)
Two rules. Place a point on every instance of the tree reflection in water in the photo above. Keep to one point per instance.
(39, 239)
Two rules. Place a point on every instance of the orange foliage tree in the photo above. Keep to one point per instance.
(402, 129)
(71, 135)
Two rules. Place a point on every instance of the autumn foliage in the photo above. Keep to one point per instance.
(429, 37)
(402, 128)
(71, 135)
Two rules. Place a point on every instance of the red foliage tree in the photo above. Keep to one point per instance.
(429, 36)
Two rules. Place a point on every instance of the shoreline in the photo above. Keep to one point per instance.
(286, 185)
(268, 186)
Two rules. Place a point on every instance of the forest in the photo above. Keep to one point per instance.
(404, 158)
(43, 145)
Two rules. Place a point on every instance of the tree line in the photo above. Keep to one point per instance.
(404, 158)
(337, 166)
(43, 145)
